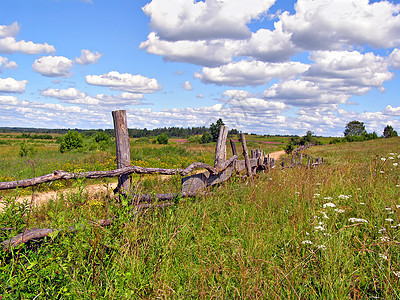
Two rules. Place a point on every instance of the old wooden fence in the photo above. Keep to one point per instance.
(222, 170)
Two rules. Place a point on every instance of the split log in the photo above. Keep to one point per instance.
(122, 147)
(220, 150)
(246, 155)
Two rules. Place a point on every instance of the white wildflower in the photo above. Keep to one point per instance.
(396, 273)
(317, 195)
(327, 234)
(329, 204)
(357, 220)
(327, 198)
(358, 189)
(319, 228)
(382, 230)
(397, 185)
(388, 208)
(383, 256)
(391, 157)
(306, 242)
(298, 193)
(322, 247)
(397, 206)
(383, 159)
(307, 233)
(318, 183)
(395, 164)
(385, 238)
(362, 203)
(324, 215)
(344, 196)
(389, 220)
(339, 210)
(382, 172)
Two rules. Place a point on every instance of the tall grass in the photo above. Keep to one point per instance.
(324, 233)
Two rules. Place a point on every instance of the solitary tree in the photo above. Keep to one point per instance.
(214, 129)
(389, 132)
(355, 128)
(162, 139)
(71, 140)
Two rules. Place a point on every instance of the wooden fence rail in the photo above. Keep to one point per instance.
(222, 171)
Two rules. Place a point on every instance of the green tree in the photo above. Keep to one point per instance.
(214, 129)
(162, 139)
(355, 128)
(26, 149)
(71, 140)
(206, 138)
(389, 132)
(101, 136)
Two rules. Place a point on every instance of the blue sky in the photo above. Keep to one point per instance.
(263, 66)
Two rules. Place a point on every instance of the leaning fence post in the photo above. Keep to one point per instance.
(220, 150)
(123, 147)
(233, 146)
(246, 155)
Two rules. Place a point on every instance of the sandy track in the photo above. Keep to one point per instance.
(92, 190)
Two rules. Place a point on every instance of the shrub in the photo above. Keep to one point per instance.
(101, 137)
(71, 140)
(143, 140)
(206, 138)
(26, 149)
(162, 139)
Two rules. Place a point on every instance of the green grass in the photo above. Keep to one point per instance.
(258, 239)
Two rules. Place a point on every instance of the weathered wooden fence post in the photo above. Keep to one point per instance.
(246, 155)
(220, 150)
(123, 148)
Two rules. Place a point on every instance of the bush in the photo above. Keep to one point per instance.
(143, 140)
(71, 140)
(195, 139)
(289, 148)
(206, 138)
(162, 139)
(101, 137)
(26, 149)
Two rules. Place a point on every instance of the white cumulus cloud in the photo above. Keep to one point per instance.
(10, 85)
(88, 57)
(125, 82)
(175, 20)
(187, 86)
(6, 64)
(11, 30)
(53, 66)
(252, 73)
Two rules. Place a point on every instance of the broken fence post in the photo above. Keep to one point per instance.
(220, 150)
(246, 155)
(123, 148)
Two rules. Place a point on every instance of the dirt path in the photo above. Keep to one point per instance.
(92, 190)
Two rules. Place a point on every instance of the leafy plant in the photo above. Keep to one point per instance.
(71, 140)
(162, 139)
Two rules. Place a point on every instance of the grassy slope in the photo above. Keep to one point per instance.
(267, 238)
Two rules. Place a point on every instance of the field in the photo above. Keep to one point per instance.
(326, 233)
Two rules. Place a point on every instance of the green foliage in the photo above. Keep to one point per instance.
(71, 140)
(389, 132)
(206, 138)
(214, 129)
(289, 148)
(101, 136)
(195, 139)
(143, 140)
(162, 139)
(355, 128)
(26, 149)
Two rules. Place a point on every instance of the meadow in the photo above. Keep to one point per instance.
(326, 233)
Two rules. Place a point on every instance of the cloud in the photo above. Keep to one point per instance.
(392, 111)
(333, 78)
(10, 45)
(5, 64)
(394, 58)
(207, 53)
(12, 30)
(334, 24)
(252, 73)
(75, 96)
(53, 66)
(200, 96)
(176, 20)
(88, 57)
(125, 82)
(10, 85)
(187, 86)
